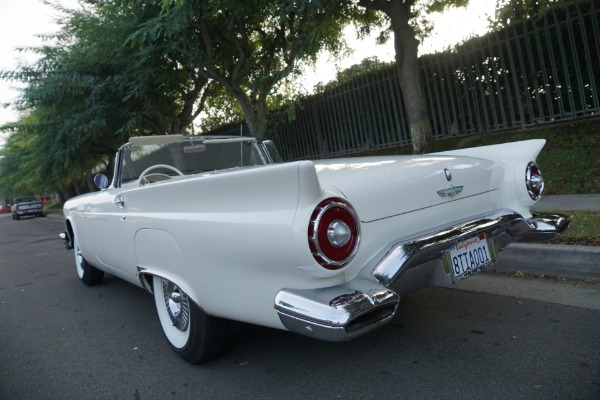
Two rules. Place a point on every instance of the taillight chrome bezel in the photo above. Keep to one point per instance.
(534, 180)
(329, 255)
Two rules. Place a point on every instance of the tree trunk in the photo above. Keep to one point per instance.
(254, 114)
(407, 63)
(415, 106)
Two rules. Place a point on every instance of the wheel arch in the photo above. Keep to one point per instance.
(146, 276)
(68, 236)
(157, 254)
(69, 227)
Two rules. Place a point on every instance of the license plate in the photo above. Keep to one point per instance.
(470, 256)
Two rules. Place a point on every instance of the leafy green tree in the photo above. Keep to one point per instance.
(71, 105)
(96, 84)
(138, 84)
(14, 162)
(512, 11)
(408, 22)
(31, 162)
(250, 46)
(160, 91)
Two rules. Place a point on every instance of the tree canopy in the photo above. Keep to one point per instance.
(128, 67)
(94, 86)
(512, 11)
(250, 47)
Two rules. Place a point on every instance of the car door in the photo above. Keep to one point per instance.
(111, 232)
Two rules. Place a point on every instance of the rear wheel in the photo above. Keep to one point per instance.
(194, 335)
(88, 274)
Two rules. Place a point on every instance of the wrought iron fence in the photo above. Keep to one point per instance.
(536, 72)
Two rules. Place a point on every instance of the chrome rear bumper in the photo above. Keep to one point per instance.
(345, 311)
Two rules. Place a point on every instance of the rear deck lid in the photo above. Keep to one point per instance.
(381, 187)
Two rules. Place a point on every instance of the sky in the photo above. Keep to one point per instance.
(452, 27)
(22, 20)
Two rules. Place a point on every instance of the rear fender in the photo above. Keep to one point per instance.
(311, 193)
(526, 149)
(514, 157)
(157, 254)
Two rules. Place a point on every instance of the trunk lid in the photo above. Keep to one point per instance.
(382, 187)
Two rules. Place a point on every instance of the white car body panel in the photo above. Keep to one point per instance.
(385, 182)
(233, 239)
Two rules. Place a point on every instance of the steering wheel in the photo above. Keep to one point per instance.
(142, 179)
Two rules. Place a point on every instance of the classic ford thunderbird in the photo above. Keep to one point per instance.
(218, 229)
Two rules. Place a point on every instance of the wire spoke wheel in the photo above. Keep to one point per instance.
(178, 305)
(194, 335)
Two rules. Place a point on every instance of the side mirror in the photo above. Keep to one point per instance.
(101, 181)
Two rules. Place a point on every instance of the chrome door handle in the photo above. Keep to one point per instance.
(120, 201)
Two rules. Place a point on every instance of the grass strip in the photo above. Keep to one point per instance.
(584, 229)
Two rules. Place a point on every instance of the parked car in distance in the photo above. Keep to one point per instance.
(217, 229)
(4, 208)
(26, 205)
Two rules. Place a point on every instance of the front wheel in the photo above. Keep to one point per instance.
(194, 335)
(88, 274)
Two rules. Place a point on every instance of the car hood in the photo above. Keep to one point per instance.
(381, 187)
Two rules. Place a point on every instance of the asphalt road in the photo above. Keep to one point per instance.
(62, 340)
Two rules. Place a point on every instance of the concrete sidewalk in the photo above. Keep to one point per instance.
(567, 292)
(567, 261)
(569, 202)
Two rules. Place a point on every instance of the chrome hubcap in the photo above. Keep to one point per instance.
(178, 306)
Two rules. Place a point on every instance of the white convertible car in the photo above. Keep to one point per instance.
(218, 229)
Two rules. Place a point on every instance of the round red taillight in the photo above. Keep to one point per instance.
(333, 233)
(534, 181)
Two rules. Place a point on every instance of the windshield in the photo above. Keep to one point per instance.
(188, 157)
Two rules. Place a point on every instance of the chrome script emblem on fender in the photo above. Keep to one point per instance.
(450, 191)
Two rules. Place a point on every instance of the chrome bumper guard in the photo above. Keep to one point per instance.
(370, 300)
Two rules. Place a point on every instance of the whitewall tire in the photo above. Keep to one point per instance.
(88, 274)
(194, 335)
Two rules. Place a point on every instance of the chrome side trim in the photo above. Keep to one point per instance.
(370, 300)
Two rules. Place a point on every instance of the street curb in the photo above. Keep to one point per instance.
(567, 261)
